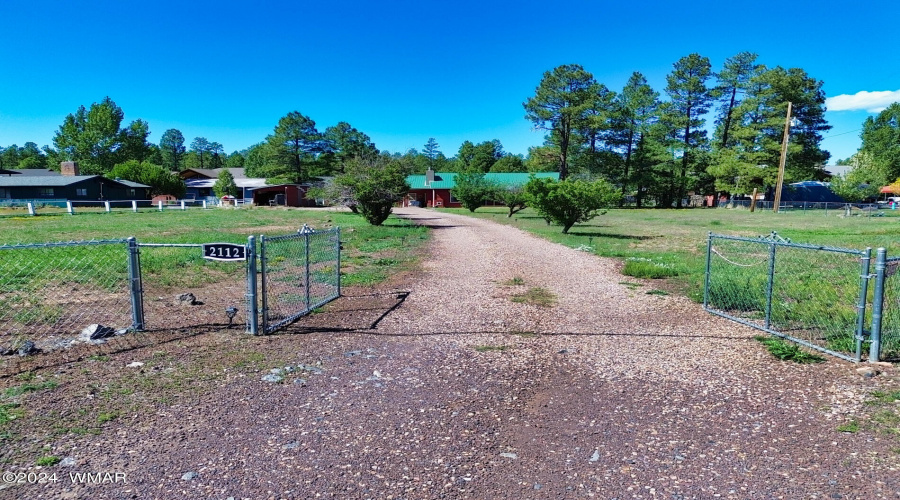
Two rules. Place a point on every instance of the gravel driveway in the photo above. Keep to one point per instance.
(454, 383)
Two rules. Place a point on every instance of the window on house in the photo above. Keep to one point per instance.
(81, 192)
(4, 193)
(46, 192)
(131, 193)
(453, 198)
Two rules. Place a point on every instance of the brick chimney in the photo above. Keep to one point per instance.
(68, 168)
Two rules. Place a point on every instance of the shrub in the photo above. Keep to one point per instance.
(473, 190)
(570, 201)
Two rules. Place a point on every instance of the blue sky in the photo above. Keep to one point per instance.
(405, 71)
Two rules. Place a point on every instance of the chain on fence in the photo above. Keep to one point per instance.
(809, 294)
(51, 294)
(300, 272)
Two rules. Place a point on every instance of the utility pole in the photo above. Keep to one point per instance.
(784, 145)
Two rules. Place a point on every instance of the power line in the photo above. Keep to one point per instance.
(842, 133)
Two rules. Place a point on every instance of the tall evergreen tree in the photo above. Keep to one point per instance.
(431, 151)
(171, 146)
(690, 99)
(294, 147)
(635, 112)
(561, 104)
(734, 80)
(200, 147)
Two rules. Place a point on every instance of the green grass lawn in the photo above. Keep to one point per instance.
(371, 253)
(657, 243)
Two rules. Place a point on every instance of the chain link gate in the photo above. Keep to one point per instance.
(54, 296)
(300, 272)
(813, 295)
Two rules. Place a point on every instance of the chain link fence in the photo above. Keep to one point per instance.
(816, 296)
(300, 272)
(66, 296)
(889, 327)
(50, 294)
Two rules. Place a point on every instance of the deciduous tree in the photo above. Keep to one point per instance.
(373, 186)
(91, 137)
(473, 190)
(225, 184)
(161, 180)
(881, 138)
(570, 201)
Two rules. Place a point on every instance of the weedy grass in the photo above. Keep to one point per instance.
(514, 281)
(642, 267)
(536, 296)
(47, 461)
(850, 427)
(787, 351)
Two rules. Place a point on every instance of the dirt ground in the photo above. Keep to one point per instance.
(507, 367)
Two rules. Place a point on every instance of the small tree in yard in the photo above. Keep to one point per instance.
(473, 190)
(373, 185)
(225, 184)
(514, 197)
(570, 201)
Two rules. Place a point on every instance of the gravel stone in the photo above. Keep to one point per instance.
(671, 401)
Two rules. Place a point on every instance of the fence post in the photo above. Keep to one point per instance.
(182, 204)
(70, 208)
(134, 206)
(771, 286)
(137, 289)
(264, 298)
(877, 306)
(106, 204)
(30, 208)
(337, 245)
(252, 306)
(306, 277)
(861, 306)
(709, 239)
(204, 204)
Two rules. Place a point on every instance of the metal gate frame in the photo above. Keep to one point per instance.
(774, 241)
(303, 235)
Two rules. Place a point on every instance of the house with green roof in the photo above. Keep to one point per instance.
(435, 189)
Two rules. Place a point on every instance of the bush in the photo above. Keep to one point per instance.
(570, 201)
(473, 190)
(373, 186)
(513, 197)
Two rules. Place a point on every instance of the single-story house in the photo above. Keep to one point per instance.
(199, 182)
(284, 195)
(69, 187)
(435, 189)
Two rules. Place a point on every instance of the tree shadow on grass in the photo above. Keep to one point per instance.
(612, 236)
